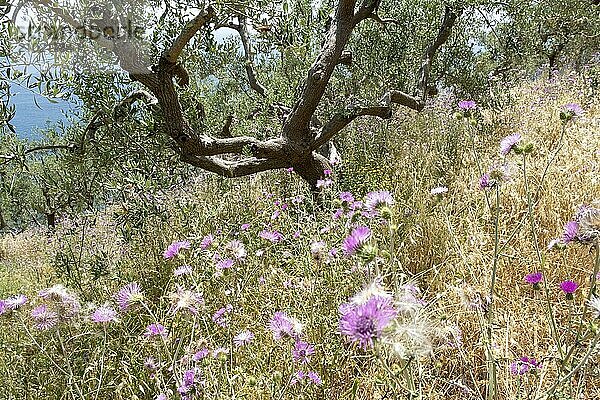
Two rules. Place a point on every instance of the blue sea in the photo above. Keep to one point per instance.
(30, 118)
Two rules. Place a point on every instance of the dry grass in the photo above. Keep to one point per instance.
(445, 245)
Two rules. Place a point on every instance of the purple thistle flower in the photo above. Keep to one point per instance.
(375, 200)
(271, 236)
(244, 227)
(362, 323)
(299, 376)
(103, 315)
(174, 249)
(224, 264)
(187, 383)
(129, 295)
(243, 338)
(467, 105)
(154, 330)
(523, 365)
(183, 270)
(534, 278)
(347, 197)
(337, 214)
(161, 396)
(207, 241)
(3, 307)
(356, 240)
(15, 302)
(569, 287)
(201, 354)
(507, 144)
(218, 351)
(302, 352)
(281, 325)
(67, 303)
(44, 318)
(570, 232)
(219, 317)
(314, 377)
(485, 181)
(574, 109)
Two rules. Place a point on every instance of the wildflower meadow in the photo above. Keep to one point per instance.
(462, 263)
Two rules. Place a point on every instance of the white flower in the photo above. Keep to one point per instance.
(439, 190)
(375, 289)
(243, 338)
(594, 304)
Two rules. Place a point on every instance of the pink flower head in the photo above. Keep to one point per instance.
(224, 264)
(377, 199)
(220, 318)
(154, 330)
(281, 325)
(187, 383)
(271, 236)
(357, 239)
(485, 182)
(467, 105)
(302, 352)
(524, 365)
(363, 323)
(44, 318)
(129, 295)
(183, 270)
(103, 315)
(323, 183)
(15, 302)
(201, 354)
(534, 278)
(314, 377)
(174, 249)
(570, 232)
(569, 287)
(574, 109)
(243, 338)
(507, 144)
(346, 197)
(207, 241)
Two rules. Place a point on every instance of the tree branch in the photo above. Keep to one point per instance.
(226, 131)
(443, 34)
(340, 120)
(254, 84)
(234, 169)
(367, 9)
(406, 100)
(297, 126)
(172, 53)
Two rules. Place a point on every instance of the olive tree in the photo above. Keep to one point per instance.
(308, 69)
